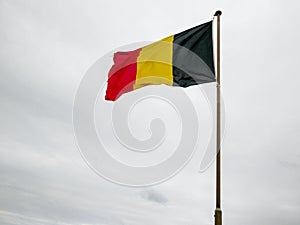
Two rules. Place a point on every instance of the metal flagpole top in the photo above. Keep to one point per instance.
(218, 13)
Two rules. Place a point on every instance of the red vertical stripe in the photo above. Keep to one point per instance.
(122, 74)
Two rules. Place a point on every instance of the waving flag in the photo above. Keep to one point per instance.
(183, 59)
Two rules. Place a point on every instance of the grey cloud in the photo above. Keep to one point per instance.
(154, 196)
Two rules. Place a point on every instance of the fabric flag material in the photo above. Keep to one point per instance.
(183, 59)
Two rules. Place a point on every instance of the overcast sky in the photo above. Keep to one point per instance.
(47, 46)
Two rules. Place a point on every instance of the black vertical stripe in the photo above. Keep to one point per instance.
(193, 56)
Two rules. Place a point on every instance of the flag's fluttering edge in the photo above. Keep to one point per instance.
(183, 59)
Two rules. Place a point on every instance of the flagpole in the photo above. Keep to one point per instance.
(218, 211)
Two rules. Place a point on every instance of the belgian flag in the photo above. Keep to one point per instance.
(183, 59)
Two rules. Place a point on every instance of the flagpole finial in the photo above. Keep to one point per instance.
(218, 13)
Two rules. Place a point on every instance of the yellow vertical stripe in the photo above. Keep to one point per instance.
(154, 64)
